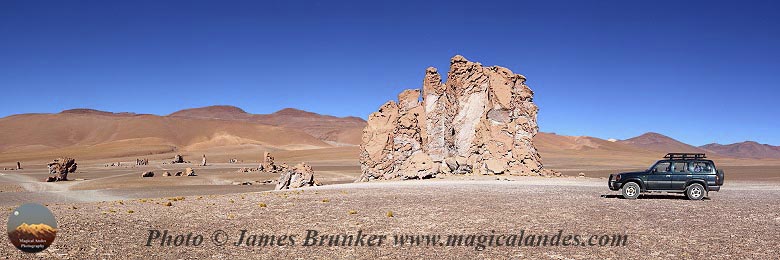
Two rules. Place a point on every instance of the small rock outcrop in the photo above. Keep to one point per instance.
(178, 159)
(166, 174)
(141, 161)
(245, 169)
(147, 174)
(482, 120)
(189, 172)
(60, 168)
(301, 175)
(268, 163)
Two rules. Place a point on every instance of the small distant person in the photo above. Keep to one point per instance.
(18, 165)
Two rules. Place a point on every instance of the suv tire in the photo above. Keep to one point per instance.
(695, 192)
(630, 190)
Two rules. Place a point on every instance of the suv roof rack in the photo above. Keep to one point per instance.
(685, 156)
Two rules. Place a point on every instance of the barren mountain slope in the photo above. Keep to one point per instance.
(747, 149)
(138, 134)
(335, 130)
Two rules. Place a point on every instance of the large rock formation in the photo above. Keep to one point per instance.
(60, 168)
(482, 120)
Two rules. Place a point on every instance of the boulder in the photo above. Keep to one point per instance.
(179, 174)
(189, 172)
(178, 159)
(60, 168)
(166, 173)
(140, 162)
(147, 174)
(420, 166)
(481, 120)
(495, 166)
(301, 175)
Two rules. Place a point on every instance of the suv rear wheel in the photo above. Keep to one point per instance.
(631, 190)
(695, 192)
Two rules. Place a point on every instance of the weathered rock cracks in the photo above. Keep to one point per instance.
(482, 120)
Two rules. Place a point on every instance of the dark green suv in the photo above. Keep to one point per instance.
(689, 173)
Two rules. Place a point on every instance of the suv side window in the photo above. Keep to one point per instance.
(662, 167)
(680, 167)
(701, 167)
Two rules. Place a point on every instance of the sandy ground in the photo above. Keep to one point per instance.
(741, 221)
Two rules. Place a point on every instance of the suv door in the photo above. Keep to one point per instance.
(680, 175)
(660, 177)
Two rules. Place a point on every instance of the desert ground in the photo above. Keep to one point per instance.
(107, 212)
(741, 221)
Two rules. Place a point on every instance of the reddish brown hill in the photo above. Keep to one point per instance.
(334, 130)
(123, 135)
(561, 152)
(661, 143)
(213, 112)
(747, 149)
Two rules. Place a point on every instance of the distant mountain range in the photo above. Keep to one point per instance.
(747, 149)
(659, 142)
(335, 130)
(99, 134)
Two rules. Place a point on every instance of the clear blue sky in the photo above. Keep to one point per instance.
(610, 69)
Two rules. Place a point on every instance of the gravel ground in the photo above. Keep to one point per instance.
(741, 221)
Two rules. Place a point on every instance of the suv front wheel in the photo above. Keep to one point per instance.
(695, 192)
(631, 190)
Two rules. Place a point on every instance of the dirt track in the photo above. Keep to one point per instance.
(741, 221)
